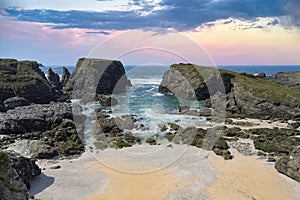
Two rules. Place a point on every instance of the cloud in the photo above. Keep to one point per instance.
(98, 32)
(273, 22)
(180, 15)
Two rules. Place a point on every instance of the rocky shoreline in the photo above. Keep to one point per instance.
(37, 120)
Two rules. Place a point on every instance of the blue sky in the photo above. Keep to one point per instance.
(59, 32)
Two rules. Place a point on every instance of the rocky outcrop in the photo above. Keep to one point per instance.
(65, 76)
(24, 79)
(16, 173)
(290, 165)
(288, 79)
(97, 76)
(42, 131)
(25, 168)
(34, 118)
(14, 102)
(193, 82)
(54, 80)
(11, 186)
(246, 95)
(260, 98)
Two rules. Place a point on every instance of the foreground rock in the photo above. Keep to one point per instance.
(97, 76)
(42, 131)
(290, 165)
(24, 79)
(288, 79)
(15, 175)
(246, 95)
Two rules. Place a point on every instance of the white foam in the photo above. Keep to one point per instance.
(145, 81)
(158, 94)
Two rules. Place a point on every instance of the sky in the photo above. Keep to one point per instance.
(205, 32)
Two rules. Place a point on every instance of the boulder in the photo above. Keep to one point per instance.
(65, 76)
(54, 80)
(14, 102)
(290, 165)
(288, 79)
(24, 79)
(97, 76)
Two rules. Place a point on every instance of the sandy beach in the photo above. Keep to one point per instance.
(196, 174)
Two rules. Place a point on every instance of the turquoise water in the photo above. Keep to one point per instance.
(154, 109)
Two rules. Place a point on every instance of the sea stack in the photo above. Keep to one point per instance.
(97, 76)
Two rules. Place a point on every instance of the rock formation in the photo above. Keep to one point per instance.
(290, 165)
(97, 76)
(24, 79)
(54, 80)
(16, 173)
(193, 82)
(246, 95)
(288, 79)
(65, 76)
(43, 131)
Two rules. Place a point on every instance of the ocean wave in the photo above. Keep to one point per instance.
(158, 94)
(145, 81)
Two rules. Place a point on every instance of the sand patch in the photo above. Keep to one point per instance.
(123, 185)
(248, 178)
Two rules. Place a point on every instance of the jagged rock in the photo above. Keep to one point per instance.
(25, 167)
(11, 185)
(65, 76)
(288, 79)
(97, 76)
(24, 79)
(34, 118)
(290, 165)
(16, 173)
(14, 102)
(54, 80)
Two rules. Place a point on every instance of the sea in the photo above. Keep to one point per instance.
(155, 109)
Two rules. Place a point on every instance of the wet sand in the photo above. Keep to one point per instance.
(248, 178)
(197, 174)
